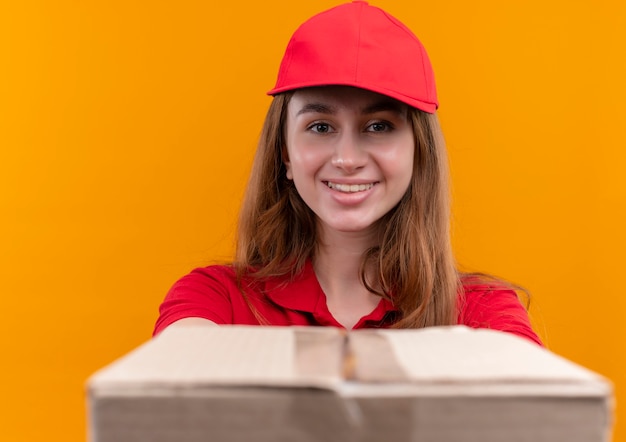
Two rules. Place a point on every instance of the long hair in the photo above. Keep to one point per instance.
(413, 264)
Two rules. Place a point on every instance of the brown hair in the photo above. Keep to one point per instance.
(414, 264)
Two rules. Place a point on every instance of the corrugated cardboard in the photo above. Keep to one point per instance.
(443, 384)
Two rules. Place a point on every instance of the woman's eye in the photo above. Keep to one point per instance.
(379, 127)
(321, 128)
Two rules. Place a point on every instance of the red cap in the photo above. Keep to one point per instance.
(359, 45)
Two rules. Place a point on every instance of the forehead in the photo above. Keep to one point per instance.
(339, 97)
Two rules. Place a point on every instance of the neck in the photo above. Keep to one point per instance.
(341, 253)
(337, 263)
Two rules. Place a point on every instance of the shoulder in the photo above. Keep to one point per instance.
(204, 293)
(486, 298)
(205, 280)
(216, 272)
(486, 302)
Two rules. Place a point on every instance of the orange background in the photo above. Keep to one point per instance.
(127, 129)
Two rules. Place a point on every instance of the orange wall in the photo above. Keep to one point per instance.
(127, 129)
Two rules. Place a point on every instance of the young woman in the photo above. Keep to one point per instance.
(345, 220)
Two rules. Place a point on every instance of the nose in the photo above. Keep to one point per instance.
(349, 155)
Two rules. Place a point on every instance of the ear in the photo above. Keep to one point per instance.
(287, 163)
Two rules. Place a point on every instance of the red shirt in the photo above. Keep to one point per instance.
(212, 293)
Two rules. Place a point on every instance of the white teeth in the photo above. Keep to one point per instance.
(349, 188)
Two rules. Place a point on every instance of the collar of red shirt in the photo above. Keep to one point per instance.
(304, 293)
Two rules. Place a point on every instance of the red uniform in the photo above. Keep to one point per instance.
(212, 293)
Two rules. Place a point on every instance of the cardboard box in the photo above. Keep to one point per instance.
(300, 384)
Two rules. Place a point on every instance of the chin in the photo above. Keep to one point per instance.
(350, 227)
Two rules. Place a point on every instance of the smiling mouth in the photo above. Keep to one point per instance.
(349, 188)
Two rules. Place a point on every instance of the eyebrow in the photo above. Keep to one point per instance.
(379, 106)
(318, 108)
(385, 106)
